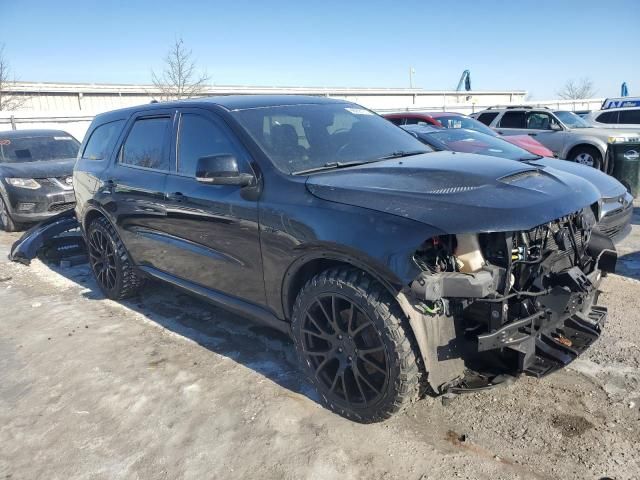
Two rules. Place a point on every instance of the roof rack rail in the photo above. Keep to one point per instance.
(512, 107)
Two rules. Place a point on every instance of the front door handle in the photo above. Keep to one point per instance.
(109, 186)
(175, 196)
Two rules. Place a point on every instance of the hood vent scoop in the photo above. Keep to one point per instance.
(521, 176)
(455, 189)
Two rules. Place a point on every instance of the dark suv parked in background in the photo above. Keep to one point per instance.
(36, 169)
(390, 268)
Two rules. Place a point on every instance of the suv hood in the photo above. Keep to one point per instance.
(458, 192)
(43, 169)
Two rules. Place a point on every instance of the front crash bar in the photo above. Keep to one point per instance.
(26, 248)
(511, 334)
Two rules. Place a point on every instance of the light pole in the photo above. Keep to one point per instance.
(412, 71)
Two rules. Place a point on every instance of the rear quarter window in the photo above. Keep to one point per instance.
(487, 117)
(102, 141)
(630, 116)
(513, 120)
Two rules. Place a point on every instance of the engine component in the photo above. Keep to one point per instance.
(478, 284)
(468, 252)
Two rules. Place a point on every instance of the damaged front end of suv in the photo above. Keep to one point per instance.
(519, 301)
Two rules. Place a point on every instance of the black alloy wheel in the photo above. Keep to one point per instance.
(342, 346)
(102, 257)
(110, 262)
(355, 345)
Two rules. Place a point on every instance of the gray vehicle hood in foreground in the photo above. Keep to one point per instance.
(459, 192)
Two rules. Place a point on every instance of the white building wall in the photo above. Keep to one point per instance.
(71, 107)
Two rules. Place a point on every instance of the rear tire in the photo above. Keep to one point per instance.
(355, 345)
(588, 156)
(110, 262)
(6, 222)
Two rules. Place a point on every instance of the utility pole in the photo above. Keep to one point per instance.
(412, 71)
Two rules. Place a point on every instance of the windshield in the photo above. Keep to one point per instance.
(572, 120)
(299, 138)
(460, 121)
(38, 148)
(470, 141)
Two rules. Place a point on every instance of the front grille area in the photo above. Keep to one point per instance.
(615, 223)
(60, 207)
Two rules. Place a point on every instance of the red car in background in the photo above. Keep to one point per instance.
(457, 120)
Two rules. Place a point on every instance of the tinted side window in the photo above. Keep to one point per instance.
(512, 120)
(102, 141)
(416, 121)
(146, 145)
(200, 137)
(539, 121)
(487, 117)
(607, 117)
(630, 116)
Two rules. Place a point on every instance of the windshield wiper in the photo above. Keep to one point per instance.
(403, 153)
(329, 166)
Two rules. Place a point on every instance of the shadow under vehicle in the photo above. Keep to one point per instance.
(392, 267)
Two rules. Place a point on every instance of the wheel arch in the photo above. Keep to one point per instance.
(310, 264)
(586, 143)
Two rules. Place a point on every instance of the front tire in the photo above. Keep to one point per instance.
(6, 222)
(355, 345)
(588, 156)
(110, 262)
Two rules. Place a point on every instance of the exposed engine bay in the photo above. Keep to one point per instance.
(524, 301)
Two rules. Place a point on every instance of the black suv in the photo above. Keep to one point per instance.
(391, 266)
(36, 169)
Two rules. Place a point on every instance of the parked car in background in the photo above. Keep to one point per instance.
(618, 118)
(457, 120)
(36, 168)
(565, 133)
(616, 204)
(391, 266)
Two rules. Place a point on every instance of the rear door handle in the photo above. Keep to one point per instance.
(175, 196)
(532, 134)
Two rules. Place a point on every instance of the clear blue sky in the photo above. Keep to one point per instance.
(532, 45)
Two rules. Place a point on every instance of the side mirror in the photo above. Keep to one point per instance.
(555, 127)
(221, 170)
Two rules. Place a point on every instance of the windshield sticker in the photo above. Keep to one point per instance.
(358, 111)
(62, 138)
(5, 142)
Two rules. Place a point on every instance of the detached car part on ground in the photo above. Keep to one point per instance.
(615, 207)
(36, 168)
(391, 268)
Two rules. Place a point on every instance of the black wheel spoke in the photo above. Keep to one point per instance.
(357, 380)
(349, 370)
(372, 363)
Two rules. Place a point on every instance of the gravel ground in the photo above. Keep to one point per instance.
(168, 387)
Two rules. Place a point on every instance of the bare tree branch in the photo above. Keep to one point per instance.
(577, 89)
(180, 77)
(8, 100)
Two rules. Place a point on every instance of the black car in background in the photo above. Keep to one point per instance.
(391, 266)
(615, 208)
(36, 182)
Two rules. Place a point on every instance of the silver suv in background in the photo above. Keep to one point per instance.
(626, 118)
(566, 134)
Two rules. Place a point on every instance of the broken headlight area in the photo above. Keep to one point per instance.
(521, 301)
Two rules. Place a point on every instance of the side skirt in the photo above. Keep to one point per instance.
(232, 304)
